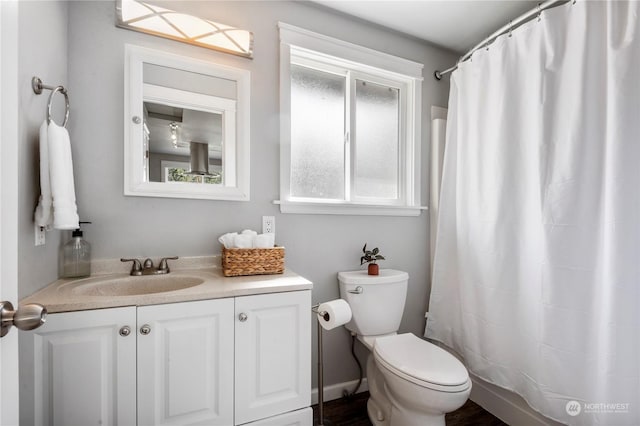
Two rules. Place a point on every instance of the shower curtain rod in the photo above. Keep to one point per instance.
(526, 17)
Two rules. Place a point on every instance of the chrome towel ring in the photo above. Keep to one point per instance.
(37, 86)
(62, 90)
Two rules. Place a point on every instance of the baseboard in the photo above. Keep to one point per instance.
(506, 405)
(332, 392)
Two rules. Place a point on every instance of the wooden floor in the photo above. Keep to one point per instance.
(353, 412)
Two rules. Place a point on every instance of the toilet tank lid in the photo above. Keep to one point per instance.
(386, 276)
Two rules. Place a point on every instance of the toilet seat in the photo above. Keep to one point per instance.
(421, 363)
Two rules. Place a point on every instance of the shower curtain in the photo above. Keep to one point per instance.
(537, 266)
(438, 132)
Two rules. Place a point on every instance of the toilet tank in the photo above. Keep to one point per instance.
(378, 306)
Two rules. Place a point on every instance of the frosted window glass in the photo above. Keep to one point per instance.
(377, 140)
(317, 134)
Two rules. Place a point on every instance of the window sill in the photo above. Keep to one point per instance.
(304, 207)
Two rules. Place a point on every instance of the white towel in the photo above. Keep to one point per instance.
(247, 239)
(228, 239)
(243, 241)
(264, 240)
(60, 188)
(44, 210)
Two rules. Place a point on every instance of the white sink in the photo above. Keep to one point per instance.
(132, 286)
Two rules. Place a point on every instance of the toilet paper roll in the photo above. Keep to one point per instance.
(337, 313)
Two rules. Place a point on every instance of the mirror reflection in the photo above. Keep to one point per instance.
(186, 127)
(182, 145)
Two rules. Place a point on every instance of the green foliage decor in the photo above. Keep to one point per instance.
(370, 256)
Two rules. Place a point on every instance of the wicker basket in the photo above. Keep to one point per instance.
(258, 261)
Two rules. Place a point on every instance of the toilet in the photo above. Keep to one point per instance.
(411, 381)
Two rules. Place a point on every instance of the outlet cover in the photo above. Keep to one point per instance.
(40, 235)
(268, 224)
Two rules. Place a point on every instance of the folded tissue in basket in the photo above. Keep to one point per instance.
(247, 239)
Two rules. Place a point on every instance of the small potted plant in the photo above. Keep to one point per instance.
(371, 257)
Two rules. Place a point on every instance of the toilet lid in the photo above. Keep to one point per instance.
(421, 360)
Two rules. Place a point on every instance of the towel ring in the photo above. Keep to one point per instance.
(62, 90)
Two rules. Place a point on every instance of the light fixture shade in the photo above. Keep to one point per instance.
(151, 19)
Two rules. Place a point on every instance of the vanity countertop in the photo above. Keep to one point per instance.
(66, 295)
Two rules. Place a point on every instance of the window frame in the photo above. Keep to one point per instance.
(403, 181)
(325, 54)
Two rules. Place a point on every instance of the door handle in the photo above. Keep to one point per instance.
(26, 317)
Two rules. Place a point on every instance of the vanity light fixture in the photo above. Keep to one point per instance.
(173, 129)
(155, 20)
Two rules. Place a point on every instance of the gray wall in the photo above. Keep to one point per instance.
(317, 246)
(42, 44)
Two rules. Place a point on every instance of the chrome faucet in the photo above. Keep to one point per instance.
(138, 268)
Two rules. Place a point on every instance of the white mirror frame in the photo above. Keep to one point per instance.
(135, 183)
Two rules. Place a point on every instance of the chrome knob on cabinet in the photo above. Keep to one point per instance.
(243, 317)
(145, 329)
(26, 317)
(125, 331)
(136, 119)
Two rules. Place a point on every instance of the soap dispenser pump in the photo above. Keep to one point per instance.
(75, 256)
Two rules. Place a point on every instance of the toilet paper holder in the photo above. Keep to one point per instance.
(325, 316)
(329, 315)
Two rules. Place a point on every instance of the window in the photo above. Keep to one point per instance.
(350, 128)
(177, 171)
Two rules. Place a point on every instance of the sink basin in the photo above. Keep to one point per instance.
(134, 286)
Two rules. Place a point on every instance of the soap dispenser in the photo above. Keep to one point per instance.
(75, 256)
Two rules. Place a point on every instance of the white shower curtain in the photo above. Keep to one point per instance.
(438, 133)
(537, 267)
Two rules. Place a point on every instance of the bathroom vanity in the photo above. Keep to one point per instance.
(224, 351)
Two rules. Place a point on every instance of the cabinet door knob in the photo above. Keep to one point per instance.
(242, 317)
(145, 329)
(125, 331)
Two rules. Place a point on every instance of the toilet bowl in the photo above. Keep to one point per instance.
(423, 381)
(411, 381)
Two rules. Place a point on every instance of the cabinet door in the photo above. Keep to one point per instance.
(273, 354)
(83, 369)
(185, 363)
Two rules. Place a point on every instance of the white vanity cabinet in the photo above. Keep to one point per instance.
(84, 367)
(185, 363)
(215, 362)
(273, 354)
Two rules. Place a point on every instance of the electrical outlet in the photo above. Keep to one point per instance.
(40, 235)
(268, 224)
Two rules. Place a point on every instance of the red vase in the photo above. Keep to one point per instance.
(374, 269)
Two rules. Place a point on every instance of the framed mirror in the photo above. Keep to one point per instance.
(186, 127)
